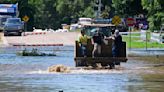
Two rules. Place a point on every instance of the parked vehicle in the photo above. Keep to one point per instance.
(7, 11)
(74, 27)
(13, 26)
(2, 21)
(84, 21)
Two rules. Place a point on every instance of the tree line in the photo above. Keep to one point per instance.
(53, 13)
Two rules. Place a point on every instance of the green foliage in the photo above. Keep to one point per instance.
(88, 12)
(26, 9)
(155, 10)
(106, 12)
(45, 15)
(119, 6)
(38, 6)
(70, 9)
(5, 1)
(156, 20)
(53, 13)
(125, 8)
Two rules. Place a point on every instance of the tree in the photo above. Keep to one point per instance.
(126, 8)
(5, 1)
(38, 8)
(155, 14)
(108, 9)
(53, 13)
(105, 13)
(70, 9)
(26, 10)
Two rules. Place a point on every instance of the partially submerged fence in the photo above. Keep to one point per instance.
(157, 37)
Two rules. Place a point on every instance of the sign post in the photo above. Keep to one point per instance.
(130, 23)
(25, 19)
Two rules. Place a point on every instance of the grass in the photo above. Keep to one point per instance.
(136, 42)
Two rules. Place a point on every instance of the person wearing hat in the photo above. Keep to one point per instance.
(117, 43)
(97, 41)
(82, 39)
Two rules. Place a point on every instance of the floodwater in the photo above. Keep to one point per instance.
(29, 74)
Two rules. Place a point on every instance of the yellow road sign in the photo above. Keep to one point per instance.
(25, 18)
(116, 20)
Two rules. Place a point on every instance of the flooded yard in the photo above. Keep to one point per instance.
(29, 74)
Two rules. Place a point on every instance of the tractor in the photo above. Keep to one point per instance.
(106, 59)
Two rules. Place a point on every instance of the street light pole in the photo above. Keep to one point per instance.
(99, 9)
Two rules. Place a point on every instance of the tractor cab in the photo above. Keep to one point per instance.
(106, 29)
(106, 59)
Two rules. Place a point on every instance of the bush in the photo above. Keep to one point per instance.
(156, 20)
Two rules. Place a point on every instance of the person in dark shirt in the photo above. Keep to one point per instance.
(117, 43)
(97, 40)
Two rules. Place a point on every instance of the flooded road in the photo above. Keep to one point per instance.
(29, 74)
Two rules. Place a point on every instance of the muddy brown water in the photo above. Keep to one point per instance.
(29, 74)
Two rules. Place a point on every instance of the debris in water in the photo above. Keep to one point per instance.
(59, 68)
(34, 52)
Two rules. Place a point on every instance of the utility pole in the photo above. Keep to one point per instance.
(98, 8)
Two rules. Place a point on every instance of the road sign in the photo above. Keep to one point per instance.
(25, 18)
(130, 21)
(116, 20)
